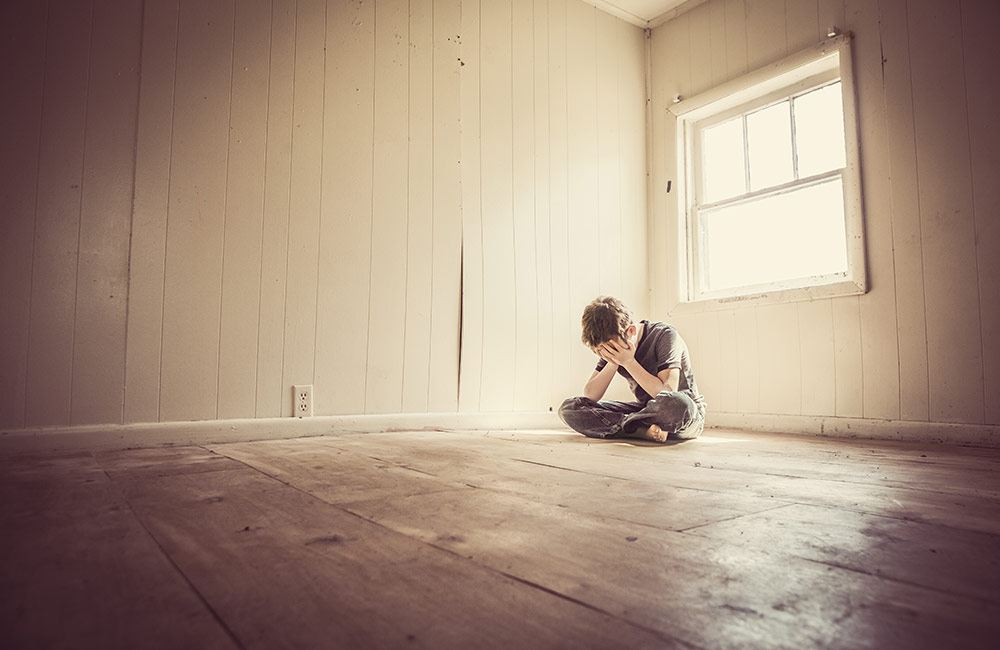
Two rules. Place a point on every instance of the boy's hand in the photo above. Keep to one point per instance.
(616, 352)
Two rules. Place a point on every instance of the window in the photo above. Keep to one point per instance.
(770, 201)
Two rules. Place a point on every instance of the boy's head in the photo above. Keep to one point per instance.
(606, 319)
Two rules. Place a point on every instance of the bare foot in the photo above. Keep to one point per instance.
(654, 433)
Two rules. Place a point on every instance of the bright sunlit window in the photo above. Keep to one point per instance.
(771, 198)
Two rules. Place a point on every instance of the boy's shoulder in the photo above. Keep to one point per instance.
(658, 327)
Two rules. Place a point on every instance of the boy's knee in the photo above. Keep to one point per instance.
(676, 408)
(572, 404)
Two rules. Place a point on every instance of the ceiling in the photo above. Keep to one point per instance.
(644, 13)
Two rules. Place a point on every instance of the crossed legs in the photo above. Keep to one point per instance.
(672, 415)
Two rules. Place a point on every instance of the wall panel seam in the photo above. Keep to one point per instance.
(371, 207)
(430, 311)
(34, 211)
(322, 185)
(263, 194)
(131, 221)
(79, 214)
(975, 223)
(166, 227)
(288, 230)
(225, 214)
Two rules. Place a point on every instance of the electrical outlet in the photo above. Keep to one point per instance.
(302, 400)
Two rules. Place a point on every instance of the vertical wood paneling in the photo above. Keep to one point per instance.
(747, 361)
(816, 341)
(911, 332)
(346, 227)
(274, 232)
(708, 362)
(848, 373)
(700, 40)
(586, 258)
(241, 257)
(878, 307)
(57, 217)
(22, 66)
(264, 166)
(545, 397)
(951, 282)
(801, 18)
(499, 336)
(566, 318)
(717, 37)
(419, 210)
(662, 84)
(609, 159)
(981, 51)
(305, 193)
(472, 239)
(149, 212)
(446, 296)
(524, 161)
(780, 359)
(671, 75)
(765, 31)
(632, 173)
(384, 378)
(105, 214)
(870, 356)
(736, 38)
(193, 272)
(727, 399)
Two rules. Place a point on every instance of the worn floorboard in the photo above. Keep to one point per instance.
(514, 539)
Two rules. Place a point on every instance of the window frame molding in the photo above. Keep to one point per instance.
(788, 76)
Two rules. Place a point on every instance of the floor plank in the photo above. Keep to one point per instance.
(77, 570)
(940, 557)
(284, 569)
(506, 539)
(677, 583)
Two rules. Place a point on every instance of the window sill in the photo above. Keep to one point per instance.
(771, 297)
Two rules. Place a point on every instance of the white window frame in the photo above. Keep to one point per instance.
(794, 75)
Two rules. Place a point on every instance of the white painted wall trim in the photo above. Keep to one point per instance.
(618, 12)
(674, 13)
(977, 435)
(117, 436)
(111, 436)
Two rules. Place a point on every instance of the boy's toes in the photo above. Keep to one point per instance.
(655, 433)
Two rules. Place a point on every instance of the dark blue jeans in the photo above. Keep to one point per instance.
(675, 412)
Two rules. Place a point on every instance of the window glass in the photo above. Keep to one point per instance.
(769, 141)
(723, 163)
(819, 131)
(798, 233)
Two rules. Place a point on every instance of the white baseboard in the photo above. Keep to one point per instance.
(979, 435)
(118, 436)
(103, 437)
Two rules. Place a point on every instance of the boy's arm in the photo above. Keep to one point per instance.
(667, 379)
(624, 354)
(598, 383)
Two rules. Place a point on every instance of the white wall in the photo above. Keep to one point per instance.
(205, 203)
(921, 345)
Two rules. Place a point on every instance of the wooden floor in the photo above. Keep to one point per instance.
(512, 540)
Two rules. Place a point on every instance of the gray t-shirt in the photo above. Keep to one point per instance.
(660, 348)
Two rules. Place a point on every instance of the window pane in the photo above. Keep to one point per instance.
(769, 138)
(791, 235)
(819, 131)
(722, 162)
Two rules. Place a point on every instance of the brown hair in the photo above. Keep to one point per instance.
(604, 319)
